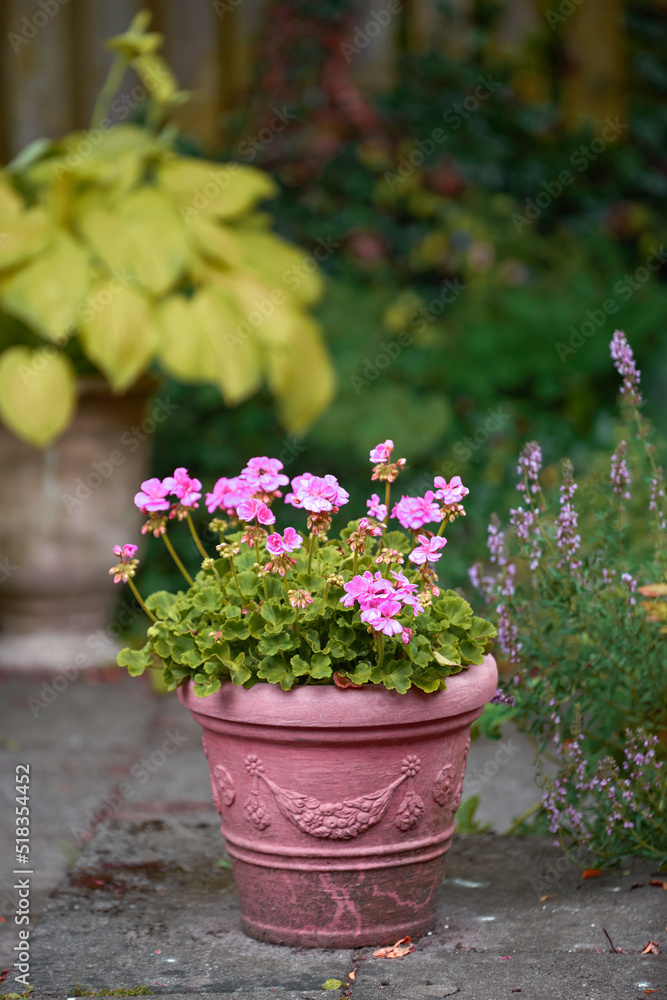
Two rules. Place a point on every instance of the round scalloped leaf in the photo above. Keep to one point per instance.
(37, 393)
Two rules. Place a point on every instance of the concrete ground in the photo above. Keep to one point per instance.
(127, 887)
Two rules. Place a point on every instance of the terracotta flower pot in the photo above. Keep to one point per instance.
(338, 806)
(64, 508)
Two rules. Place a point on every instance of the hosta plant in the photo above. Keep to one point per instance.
(304, 606)
(118, 255)
(585, 653)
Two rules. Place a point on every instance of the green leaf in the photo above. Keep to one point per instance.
(121, 336)
(49, 292)
(454, 609)
(444, 661)
(136, 660)
(235, 629)
(37, 393)
(319, 666)
(276, 614)
(361, 674)
(333, 984)
(221, 190)
(395, 676)
(204, 686)
(142, 236)
(238, 671)
(299, 666)
(23, 234)
(206, 599)
(276, 672)
(273, 643)
(161, 603)
(427, 680)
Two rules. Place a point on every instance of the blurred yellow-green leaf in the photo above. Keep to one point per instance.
(301, 377)
(225, 191)
(141, 238)
(37, 393)
(119, 332)
(233, 356)
(281, 265)
(48, 292)
(23, 235)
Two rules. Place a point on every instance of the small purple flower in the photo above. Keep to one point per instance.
(624, 362)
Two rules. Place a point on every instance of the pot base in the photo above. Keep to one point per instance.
(338, 909)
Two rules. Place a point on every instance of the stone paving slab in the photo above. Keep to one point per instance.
(148, 903)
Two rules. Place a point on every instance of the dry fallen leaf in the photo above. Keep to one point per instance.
(660, 883)
(591, 872)
(637, 885)
(552, 896)
(395, 950)
(352, 975)
(620, 951)
(652, 948)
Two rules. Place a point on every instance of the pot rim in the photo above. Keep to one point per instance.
(327, 706)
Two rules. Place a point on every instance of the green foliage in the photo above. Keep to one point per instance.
(121, 254)
(465, 817)
(588, 657)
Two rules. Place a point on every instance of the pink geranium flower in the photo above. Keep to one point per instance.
(317, 493)
(381, 618)
(452, 492)
(428, 550)
(367, 590)
(406, 635)
(381, 453)
(124, 552)
(153, 495)
(228, 494)
(278, 544)
(250, 510)
(375, 508)
(369, 527)
(182, 486)
(415, 512)
(264, 475)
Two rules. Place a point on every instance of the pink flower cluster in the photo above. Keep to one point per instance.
(415, 512)
(381, 601)
(317, 494)
(261, 479)
(428, 550)
(154, 492)
(279, 545)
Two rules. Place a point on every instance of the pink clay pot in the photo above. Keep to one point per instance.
(338, 806)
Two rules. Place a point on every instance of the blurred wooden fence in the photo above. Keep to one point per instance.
(52, 63)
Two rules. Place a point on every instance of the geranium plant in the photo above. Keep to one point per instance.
(301, 606)
(585, 654)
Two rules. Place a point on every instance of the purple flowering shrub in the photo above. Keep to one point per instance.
(362, 608)
(584, 655)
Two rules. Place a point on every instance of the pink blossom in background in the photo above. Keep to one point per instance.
(153, 495)
(182, 486)
(406, 635)
(381, 453)
(252, 509)
(228, 494)
(317, 493)
(124, 552)
(278, 544)
(452, 492)
(428, 550)
(369, 528)
(264, 474)
(381, 618)
(375, 508)
(415, 512)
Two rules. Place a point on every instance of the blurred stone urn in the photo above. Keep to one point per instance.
(63, 509)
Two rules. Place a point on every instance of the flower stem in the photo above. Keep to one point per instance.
(193, 532)
(174, 556)
(380, 645)
(522, 818)
(266, 591)
(236, 579)
(140, 600)
(311, 551)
